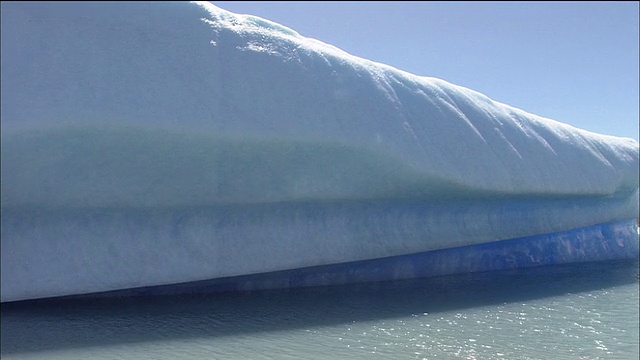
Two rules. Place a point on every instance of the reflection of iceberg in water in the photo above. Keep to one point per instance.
(148, 144)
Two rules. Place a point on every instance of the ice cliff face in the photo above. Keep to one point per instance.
(150, 143)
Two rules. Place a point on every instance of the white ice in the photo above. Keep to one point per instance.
(151, 111)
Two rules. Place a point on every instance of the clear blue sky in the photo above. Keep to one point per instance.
(575, 62)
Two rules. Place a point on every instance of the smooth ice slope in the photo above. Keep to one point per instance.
(180, 142)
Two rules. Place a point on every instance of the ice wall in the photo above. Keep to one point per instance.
(199, 71)
(172, 142)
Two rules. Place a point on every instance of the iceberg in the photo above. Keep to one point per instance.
(160, 147)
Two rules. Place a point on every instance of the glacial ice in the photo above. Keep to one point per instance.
(158, 143)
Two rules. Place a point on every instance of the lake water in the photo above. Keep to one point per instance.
(583, 311)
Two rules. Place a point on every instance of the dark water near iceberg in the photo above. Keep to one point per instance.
(583, 311)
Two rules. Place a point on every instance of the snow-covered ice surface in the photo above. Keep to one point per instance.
(158, 143)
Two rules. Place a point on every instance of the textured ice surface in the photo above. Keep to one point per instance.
(171, 142)
(51, 253)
